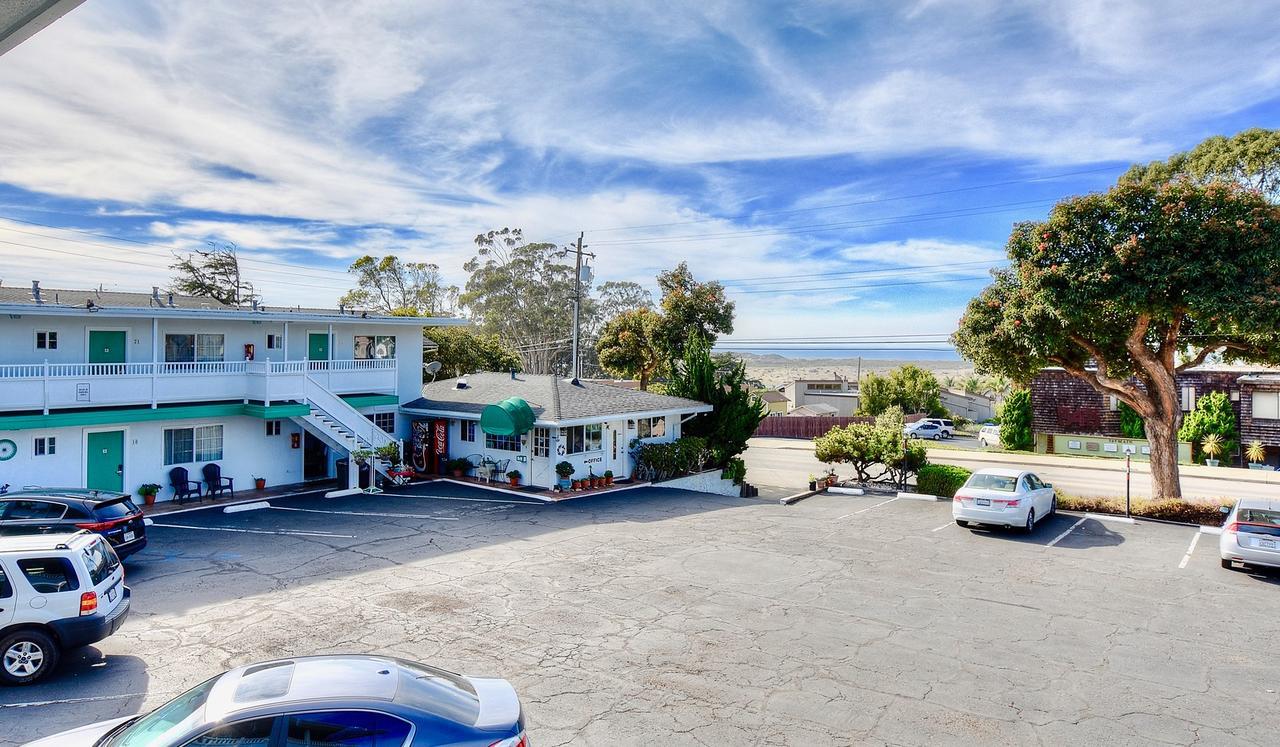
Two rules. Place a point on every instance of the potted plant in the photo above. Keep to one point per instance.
(1256, 453)
(514, 477)
(813, 482)
(149, 491)
(1211, 445)
(577, 485)
(592, 480)
(608, 477)
(832, 479)
(458, 466)
(259, 483)
(361, 456)
(389, 453)
(563, 471)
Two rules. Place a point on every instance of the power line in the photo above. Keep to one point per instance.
(854, 287)
(865, 272)
(820, 277)
(821, 227)
(859, 202)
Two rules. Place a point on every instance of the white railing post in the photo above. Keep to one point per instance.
(45, 387)
(266, 395)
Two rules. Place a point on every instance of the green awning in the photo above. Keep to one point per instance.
(510, 417)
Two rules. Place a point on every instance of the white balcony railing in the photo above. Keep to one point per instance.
(27, 386)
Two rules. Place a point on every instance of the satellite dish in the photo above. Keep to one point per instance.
(432, 368)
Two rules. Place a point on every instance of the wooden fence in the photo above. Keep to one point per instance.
(810, 426)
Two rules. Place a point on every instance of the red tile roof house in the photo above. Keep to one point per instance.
(1069, 416)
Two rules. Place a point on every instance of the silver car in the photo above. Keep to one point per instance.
(1251, 534)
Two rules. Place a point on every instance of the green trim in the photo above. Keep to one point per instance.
(112, 416)
(370, 400)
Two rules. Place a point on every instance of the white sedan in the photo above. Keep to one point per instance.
(923, 429)
(1251, 534)
(1004, 497)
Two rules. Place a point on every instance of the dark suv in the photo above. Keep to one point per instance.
(65, 510)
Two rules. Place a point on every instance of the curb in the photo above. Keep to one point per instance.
(920, 496)
(794, 499)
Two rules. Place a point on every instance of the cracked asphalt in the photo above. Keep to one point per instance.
(665, 617)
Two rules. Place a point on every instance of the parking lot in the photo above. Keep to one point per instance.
(664, 617)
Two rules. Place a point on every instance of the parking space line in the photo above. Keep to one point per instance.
(868, 508)
(459, 498)
(1190, 549)
(257, 531)
(364, 513)
(1063, 536)
(944, 526)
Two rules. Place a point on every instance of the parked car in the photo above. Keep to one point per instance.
(922, 429)
(989, 435)
(57, 592)
(1004, 497)
(948, 427)
(322, 700)
(1251, 534)
(65, 510)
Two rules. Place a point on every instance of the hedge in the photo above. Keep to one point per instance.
(941, 479)
(1191, 512)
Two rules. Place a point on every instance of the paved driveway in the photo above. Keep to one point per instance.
(661, 617)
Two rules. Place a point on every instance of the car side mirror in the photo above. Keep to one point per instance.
(1048, 485)
(1224, 510)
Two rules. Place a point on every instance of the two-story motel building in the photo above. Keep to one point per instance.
(112, 390)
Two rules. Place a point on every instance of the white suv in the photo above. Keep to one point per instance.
(57, 592)
(989, 436)
(948, 427)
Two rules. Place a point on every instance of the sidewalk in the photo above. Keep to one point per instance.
(945, 456)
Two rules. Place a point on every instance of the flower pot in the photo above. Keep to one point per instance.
(565, 483)
(813, 484)
(149, 499)
(577, 485)
(259, 483)
(1211, 462)
(457, 473)
(1255, 465)
(608, 480)
(515, 482)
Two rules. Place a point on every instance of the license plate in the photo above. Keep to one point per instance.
(1267, 544)
(111, 594)
(984, 501)
(128, 536)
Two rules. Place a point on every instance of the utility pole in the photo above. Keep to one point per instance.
(576, 369)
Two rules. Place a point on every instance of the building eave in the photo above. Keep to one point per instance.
(567, 422)
(18, 309)
(16, 29)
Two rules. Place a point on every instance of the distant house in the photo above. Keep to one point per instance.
(776, 401)
(835, 392)
(976, 407)
(531, 422)
(816, 409)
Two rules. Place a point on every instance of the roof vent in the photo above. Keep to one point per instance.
(254, 303)
(171, 298)
(460, 383)
(155, 296)
(35, 291)
(513, 374)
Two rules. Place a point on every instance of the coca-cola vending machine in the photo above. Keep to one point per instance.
(430, 446)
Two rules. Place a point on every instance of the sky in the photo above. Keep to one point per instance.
(845, 168)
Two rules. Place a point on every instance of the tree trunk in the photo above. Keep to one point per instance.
(1165, 484)
(644, 380)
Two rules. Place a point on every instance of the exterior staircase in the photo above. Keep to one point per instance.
(342, 426)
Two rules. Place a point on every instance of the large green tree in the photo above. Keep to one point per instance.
(1250, 158)
(909, 387)
(630, 346)
(1127, 288)
(692, 309)
(464, 351)
(737, 410)
(212, 273)
(391, 285)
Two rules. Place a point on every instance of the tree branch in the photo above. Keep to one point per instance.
(1210, 349)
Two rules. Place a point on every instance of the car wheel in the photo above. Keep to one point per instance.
(1031, 521)
(962, 522)
(1053, 506)
(26, 656)
(1227, 564)
(936, 437)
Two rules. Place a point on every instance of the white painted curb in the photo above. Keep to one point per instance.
(255, 506)
(1211, 530)
(919, 496)
(1110, 517)
(846, 491)
(343, 493)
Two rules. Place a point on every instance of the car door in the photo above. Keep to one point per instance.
(26, 516)
(1040, 497)
(8, 599)
(350, 728)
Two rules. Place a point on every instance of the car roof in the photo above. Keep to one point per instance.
(1263, 504)
(1002, 471)
(45, 542)
(93, 496)
(301, 680)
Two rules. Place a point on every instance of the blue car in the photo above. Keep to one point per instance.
(352, 701)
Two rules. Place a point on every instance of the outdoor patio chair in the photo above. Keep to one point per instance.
(500, 468)
(184, 488)
(215, 483)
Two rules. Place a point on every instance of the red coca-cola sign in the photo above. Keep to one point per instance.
(441, 432)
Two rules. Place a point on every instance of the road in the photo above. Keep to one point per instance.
(788, 463)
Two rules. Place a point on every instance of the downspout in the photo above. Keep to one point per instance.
(155, 353)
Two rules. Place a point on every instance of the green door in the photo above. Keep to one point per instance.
(318, 346)
(106, 346)
(105, 461)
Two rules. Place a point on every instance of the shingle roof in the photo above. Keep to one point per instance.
(552, 398)
(772, 396)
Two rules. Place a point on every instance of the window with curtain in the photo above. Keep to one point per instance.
(185, 348)
(501, 443)
(189, 445)
(375, 347)
(579, 439)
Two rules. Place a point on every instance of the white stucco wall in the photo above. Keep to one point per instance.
(703, 482)
(247, 453)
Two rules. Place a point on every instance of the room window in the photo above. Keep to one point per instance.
(542, 442)
(46, 446)
(189, 445)
(273, 427)
(501, 443)
(1188, 398)
(183, 348)
(46, 341)
(385, 420)
(275, 342)
(651, 427)
(467, 430)
(579, 439)
(1266, 405)
(375, 347)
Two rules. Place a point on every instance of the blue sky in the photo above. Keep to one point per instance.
(754, 140)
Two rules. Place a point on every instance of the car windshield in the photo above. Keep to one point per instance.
(1001, 483)
(166, 723)
(101, 561)
(1260, 516)
(117, 509)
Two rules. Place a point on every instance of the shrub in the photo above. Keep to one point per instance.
(1213, 414)
(941, 479)
(1015, 421)
(735, 470)
(1191, 512)
(458, 465)
(682, 456)
(1131, 424)
(564, 470)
